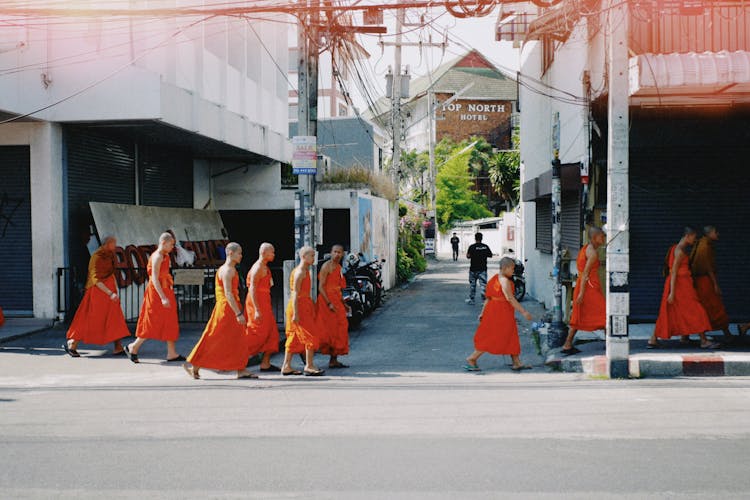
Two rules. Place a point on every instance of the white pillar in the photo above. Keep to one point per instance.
(618, 231)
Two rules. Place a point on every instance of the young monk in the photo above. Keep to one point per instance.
(301, 323)
(158, 318)
(589, 306)
(332, 310)
(99, 319)
(703, 269)
(223, 345)
(681, 313)
(497, 332)
(262, 333)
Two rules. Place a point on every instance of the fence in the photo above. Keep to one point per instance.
(194, 290)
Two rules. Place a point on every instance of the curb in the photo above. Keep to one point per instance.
(664, 365)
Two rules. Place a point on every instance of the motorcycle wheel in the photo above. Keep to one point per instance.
(520, 290)
(355, 319)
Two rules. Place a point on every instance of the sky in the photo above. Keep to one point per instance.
(463, 34)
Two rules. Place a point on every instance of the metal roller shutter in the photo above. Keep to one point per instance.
(99, 168)
(166, 178)
(544, 225)
(16, 294)
(570, 221)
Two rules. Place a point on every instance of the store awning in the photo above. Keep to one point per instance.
(541, 186)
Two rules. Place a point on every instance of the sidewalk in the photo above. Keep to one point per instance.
(20, 327)
(672, 359)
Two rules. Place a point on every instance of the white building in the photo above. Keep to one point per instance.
(140, 110)
(689, 112)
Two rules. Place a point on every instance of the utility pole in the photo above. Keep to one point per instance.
(557, 330)
(396, 98)
(618, 231)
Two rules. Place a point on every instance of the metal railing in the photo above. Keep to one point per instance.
(194, 301)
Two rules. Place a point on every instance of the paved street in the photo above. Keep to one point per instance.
(403, 422)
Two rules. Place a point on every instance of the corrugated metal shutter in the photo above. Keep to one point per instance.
(99, 168)
(570, 221)
(666, 193)
(166, 178)
(544, 225)
(16, 294)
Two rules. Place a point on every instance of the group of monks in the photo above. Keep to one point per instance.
(691, 300)
(233, 333)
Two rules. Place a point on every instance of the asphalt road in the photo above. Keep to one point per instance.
(403, 422)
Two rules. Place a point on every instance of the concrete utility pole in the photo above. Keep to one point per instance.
(557, 330)
(396, 98)
(618, 230)
(307, 118)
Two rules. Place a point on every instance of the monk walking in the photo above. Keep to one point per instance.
(301, 324)
(262, 332)
(99, 319)
(703, 269)
(332, 310)
(158, 318)
(681, 313)
(223, 345)
(498, 332)
(589, 306)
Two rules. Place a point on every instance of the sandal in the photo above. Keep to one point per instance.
(570, 351)
(191, 371)
(521, 367)
(271, 368)
(246, 375)
(711, 345)
(72, 352)
(472, 368)
(132, 357)
(293, 372)
(179, 357)
(338, 364)
(313, 373)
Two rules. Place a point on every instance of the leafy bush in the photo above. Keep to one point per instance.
(403, 265)
(380, 185)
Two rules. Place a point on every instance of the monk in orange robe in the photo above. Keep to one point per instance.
(301, 323)
(2, 317)
(589, 306)
(223, 345)
(498, 332)
(99, 318)
(681, 313)
(158, 318)
(262, 332)
(331, 308)
(703, 269)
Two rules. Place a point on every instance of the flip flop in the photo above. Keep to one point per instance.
(191, 371)
(649, 345)
(712, 345)
(522, 367)
(72, 352)
(272, 368)
(179, 357)
(119, 353)
(247, 375)
(338, 365)
(293, 372)
(570, 351)
(132, 357)
(313, 373)
(472, 368)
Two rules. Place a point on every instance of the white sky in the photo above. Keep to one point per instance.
(475, 33)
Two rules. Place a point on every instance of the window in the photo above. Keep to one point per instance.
(293, 108)
(343, 110)
(293, 55)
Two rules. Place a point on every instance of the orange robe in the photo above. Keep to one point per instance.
(156, 321)
(263, 335)
(99, 319)
(305, 334)
(686, 315)
(2, 317)
(591, 314)
(702, 262)
(223, 345)
(497, 332)
(334, 323)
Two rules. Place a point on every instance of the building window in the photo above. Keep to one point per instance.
(293, 108)
(288, 179)
(293, 55)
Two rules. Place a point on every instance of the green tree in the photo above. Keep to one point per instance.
(505, 175)
(456, 200)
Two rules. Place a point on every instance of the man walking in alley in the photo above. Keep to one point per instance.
(478, 253)
(454, 244)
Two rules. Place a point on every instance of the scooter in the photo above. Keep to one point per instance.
(356, 308)
(360, 281)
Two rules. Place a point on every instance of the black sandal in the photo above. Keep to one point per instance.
(179, 357)
(132, 357)
(72, 352)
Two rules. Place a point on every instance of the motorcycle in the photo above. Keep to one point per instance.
(356, 308)
(374, 271)
(361, 281)
(519, 281)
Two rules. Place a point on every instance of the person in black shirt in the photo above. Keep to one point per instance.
(478, 253)
(454, 244)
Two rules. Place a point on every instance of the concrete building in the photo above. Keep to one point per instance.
(689, 112)
(134, 111)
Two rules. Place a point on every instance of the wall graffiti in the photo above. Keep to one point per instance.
(8, 208)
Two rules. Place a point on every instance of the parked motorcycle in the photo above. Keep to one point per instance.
(519, 281)
(358, 277)
(374, 271)
(356, 308)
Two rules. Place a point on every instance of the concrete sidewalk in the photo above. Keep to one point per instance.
(15, 328)
(671, 359)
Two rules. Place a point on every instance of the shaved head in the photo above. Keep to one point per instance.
(595, 231)
(507, 262)
(107, 239)
(164, 237)
(264, 247)
(305, 250)
(233, 247)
